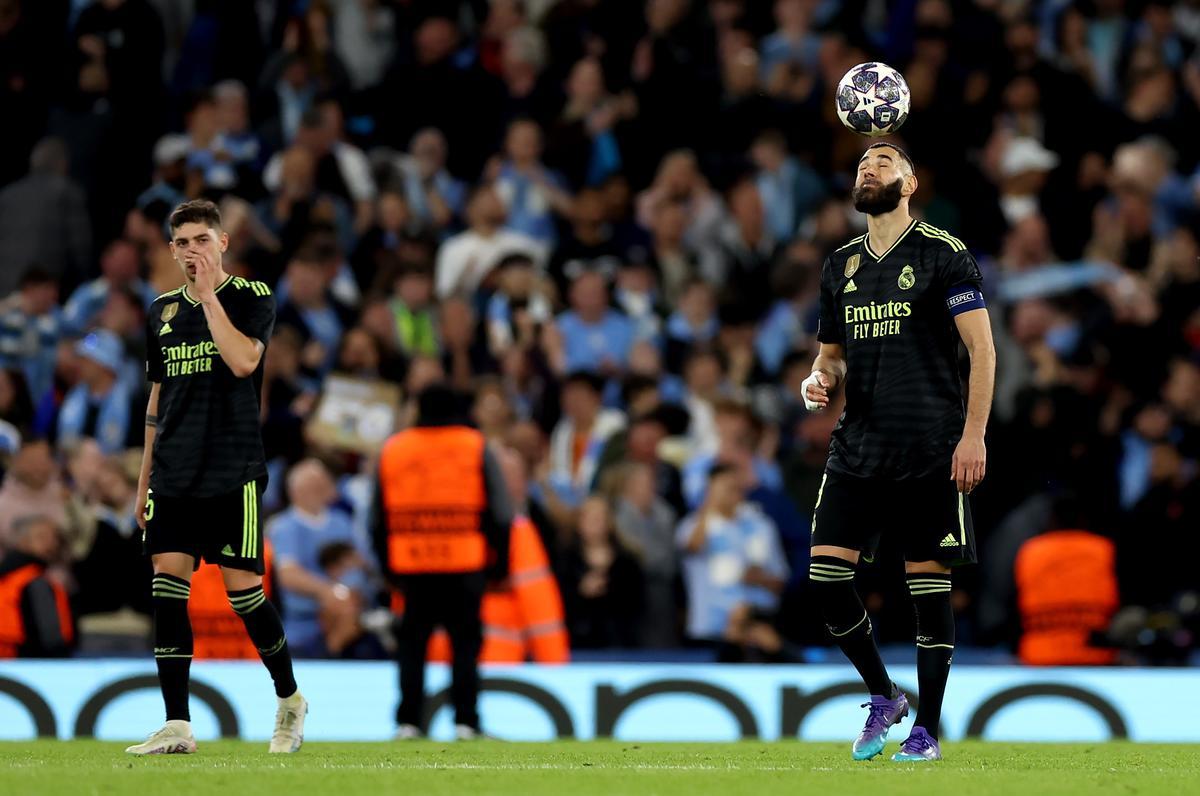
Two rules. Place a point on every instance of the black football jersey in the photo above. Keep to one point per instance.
(892, 312)
(209, 439)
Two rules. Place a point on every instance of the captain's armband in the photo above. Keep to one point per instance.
(964, 298)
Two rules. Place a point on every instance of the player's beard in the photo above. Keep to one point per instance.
(875, 200)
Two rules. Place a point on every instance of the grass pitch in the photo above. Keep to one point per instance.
(234, 768)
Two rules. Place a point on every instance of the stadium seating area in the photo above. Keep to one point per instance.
(602, 222)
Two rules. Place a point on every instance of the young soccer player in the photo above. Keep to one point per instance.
(203, 469)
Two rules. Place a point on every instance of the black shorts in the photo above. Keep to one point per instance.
(223, 529)
(927, 518)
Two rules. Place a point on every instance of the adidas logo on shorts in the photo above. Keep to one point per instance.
(949, 541)
(227, 551)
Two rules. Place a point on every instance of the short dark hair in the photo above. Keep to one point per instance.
(203, 96)
(36, 275)
(157, 211)
(772, 136)
(307, 255)
(732, 406)
(439, 405)
(673, 419)
(635, 384)
(197, 211)
(903, 155)
(720, 468)
(514, 258)
(585, 378)
(414, 269)
(704, 351)
(333, 553)
(736, 313)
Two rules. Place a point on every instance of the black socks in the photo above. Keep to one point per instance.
(935, 643)
(266, 631)
(172, 642)
(832, 581)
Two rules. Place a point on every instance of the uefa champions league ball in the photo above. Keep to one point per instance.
(872, 99)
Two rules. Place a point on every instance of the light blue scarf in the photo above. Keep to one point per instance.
(112, 424)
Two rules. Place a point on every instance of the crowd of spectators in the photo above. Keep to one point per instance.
(602, 223)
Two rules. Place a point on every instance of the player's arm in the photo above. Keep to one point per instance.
(147, 454)
(970, 457)
(829, 368)
(240, 352)
(828, 371)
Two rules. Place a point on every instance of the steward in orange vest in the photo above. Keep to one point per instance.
(442, 517)
(1066, 589)
(217, 632)
(523, 615)
(35, 615)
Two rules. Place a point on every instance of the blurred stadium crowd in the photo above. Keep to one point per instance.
(603, 223)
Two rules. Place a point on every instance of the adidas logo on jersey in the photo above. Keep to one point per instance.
(227, 551)
(850, 287)
(166, 329)
(949, 541)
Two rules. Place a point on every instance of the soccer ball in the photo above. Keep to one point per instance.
(872, 99)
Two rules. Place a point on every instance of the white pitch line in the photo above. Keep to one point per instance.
(434, 766)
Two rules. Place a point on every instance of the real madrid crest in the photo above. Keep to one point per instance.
(169, 311)
(852, 265)
(907, 278)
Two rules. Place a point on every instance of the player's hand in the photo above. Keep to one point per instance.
(815, 391)
(140, 508)
(969, 464)
(206, 276)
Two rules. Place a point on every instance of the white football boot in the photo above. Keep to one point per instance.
(289, 724)
(173, 738)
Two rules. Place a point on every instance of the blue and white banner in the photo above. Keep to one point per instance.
(119, 699)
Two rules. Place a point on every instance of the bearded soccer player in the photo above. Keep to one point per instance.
(203, 470)
(894, 305)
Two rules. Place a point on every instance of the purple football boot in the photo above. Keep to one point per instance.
(919, 748)
(883, 713)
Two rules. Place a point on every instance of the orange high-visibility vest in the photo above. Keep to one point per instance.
(1066, 588)
(218, 632)
(524, 620)
(12, 624)
(434, 496)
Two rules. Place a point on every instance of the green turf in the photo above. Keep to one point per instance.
(580, 768)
